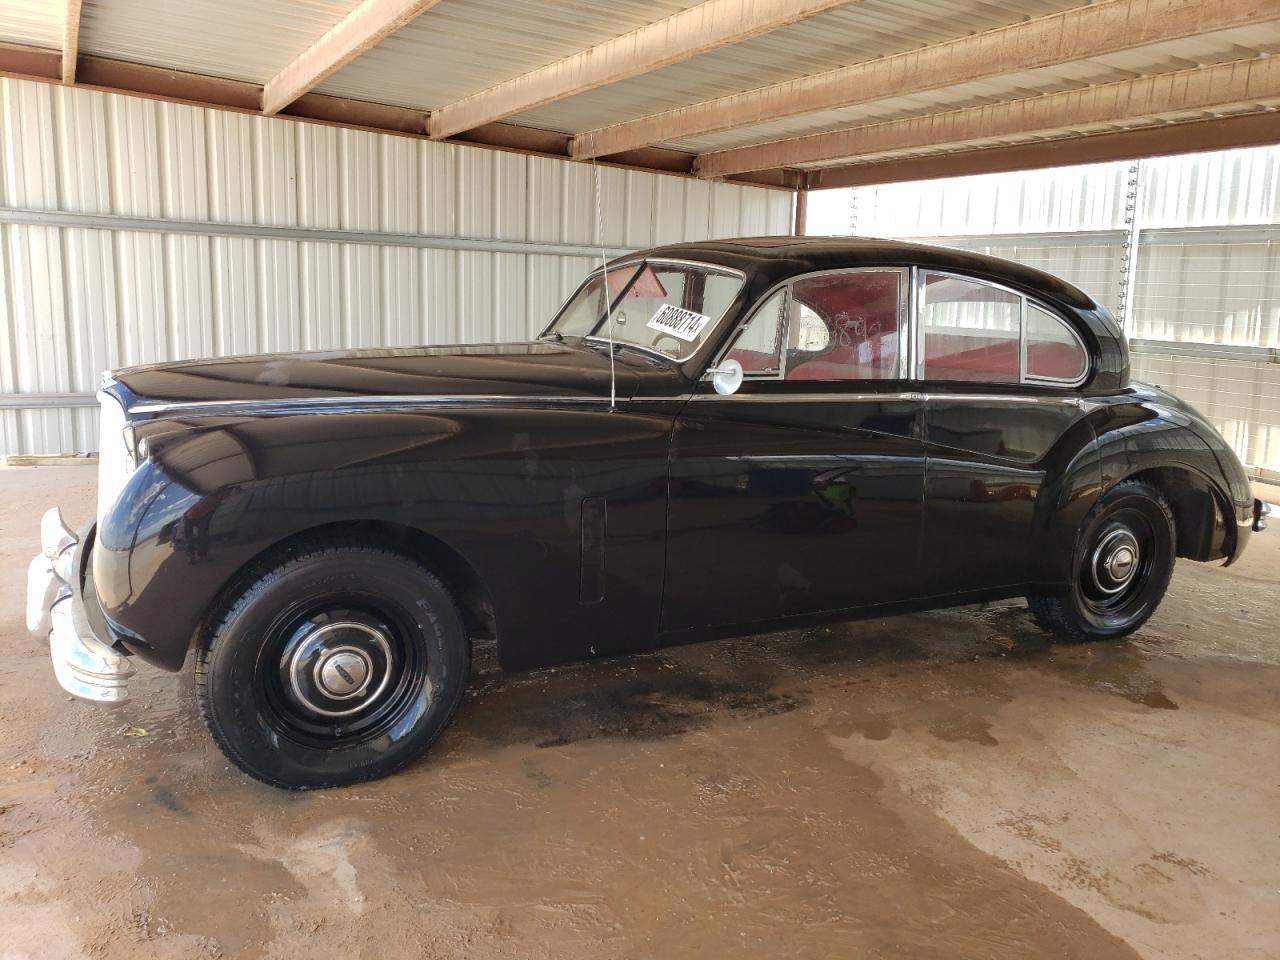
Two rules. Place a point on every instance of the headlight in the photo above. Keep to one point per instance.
(115, 454)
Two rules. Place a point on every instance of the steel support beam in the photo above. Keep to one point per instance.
(46, 401)
(1206, 351)
(207, 228)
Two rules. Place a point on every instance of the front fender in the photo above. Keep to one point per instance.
(500, 486)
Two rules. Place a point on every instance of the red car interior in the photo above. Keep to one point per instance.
(862, 322)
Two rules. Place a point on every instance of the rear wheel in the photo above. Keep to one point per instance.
(1121, 569)
(334, 664)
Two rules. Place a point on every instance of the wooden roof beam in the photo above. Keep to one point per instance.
(368, 23)
(43, 65)
(1144, 101)
(70, 40)
(1107, 27)
(697, 30)
(1170, 139)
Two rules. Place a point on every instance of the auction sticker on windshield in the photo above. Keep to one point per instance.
(678, 322)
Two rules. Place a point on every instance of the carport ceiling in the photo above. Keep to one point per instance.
(788, 93)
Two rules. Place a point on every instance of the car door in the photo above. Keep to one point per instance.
(1000, 372)
(802, 491)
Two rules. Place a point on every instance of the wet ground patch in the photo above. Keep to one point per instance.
(644, 697)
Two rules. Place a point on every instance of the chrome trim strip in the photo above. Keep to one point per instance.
(1022, 340)
(46, 401)
(810, 397)
(606, 342)
(391, 401)
(911, 395)
(916, 369)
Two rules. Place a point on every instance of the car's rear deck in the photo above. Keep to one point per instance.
(829, 792)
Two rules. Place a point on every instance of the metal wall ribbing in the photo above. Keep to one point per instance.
(196, 232)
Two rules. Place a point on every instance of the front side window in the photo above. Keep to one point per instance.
(970, 330)
(759, 347)
(666, 308)
(846, 326)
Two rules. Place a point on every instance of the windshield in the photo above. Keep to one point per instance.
(668, 308)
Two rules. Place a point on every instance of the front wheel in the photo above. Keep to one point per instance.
(1123, 561)
(333, 664)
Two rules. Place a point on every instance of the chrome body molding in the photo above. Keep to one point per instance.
(400, 402)
(912, 396)
(381, 402)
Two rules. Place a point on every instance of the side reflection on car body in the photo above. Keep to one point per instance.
(708, 439)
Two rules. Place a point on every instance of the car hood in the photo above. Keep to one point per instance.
(532, 370)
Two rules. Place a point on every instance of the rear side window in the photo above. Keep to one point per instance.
(1054, 352)
(970, 330)
(979, 332)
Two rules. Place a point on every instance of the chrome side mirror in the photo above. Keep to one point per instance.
(727, 377)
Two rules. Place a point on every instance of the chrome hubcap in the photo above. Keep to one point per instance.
(340, 668)
(344, 673)
(1115, 561)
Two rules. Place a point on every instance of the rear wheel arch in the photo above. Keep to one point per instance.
(1199, 505)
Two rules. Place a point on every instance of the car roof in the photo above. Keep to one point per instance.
(774, 259)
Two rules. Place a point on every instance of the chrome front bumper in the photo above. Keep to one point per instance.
(84, 665)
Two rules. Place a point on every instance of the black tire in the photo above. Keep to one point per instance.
(332, 663)
(1110, 596)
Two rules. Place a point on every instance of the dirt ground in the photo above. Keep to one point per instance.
(941, 785)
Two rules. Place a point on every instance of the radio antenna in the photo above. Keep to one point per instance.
(604, 275)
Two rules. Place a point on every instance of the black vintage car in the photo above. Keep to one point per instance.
(708, 439)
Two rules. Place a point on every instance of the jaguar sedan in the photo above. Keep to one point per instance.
(708, 439)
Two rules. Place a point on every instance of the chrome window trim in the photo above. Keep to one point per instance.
(736, 335)
(606, 342)
(546, 330)
(904, 320)
(1024, 379)
(1075, 335)
(915, 369)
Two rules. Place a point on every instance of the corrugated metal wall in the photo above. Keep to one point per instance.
(1241, 397)
(78, 300)
(1186, 250)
